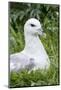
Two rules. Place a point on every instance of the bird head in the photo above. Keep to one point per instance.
(33, 27)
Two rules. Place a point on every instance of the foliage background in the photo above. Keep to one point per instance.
(48, 15)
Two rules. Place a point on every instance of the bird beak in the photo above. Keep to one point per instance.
(41, 33)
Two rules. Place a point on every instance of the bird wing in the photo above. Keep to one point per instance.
(20, 61)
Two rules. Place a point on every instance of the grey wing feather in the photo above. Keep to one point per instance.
(18, 62)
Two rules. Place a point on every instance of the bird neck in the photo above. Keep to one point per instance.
(32, 44)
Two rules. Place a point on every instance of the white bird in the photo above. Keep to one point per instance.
(33, 56)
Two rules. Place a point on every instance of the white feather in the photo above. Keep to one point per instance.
(34, 55)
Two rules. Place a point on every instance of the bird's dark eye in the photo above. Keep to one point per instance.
(32, 25)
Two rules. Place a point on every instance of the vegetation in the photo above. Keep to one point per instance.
(49, 18)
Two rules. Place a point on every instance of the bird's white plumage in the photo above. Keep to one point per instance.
(34, 55)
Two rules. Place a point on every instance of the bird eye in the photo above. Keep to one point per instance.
(32, 25)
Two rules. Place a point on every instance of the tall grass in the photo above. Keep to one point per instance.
(49, 17)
